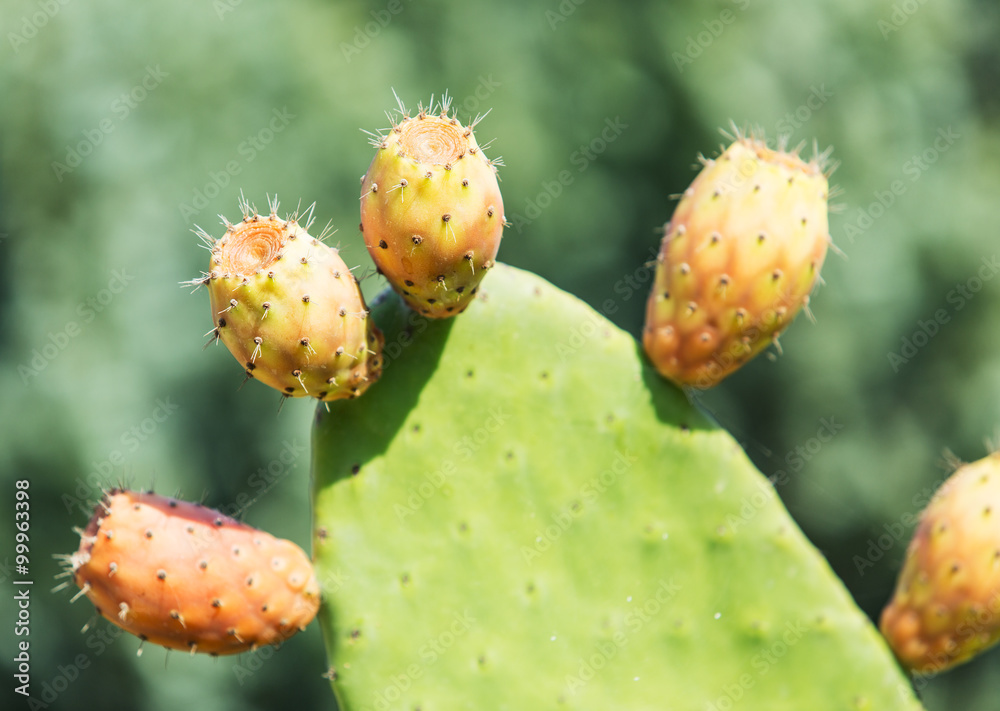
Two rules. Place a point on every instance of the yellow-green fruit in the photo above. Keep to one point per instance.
(946, 607)
(431, 212)
(290, 311)
(737, 261)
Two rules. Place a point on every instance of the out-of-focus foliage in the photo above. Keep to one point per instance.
(122, 125)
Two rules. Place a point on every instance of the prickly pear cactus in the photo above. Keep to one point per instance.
(523, 515)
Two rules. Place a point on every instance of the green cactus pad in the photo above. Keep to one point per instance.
(522, 515)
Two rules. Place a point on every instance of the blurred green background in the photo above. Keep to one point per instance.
(123, 125)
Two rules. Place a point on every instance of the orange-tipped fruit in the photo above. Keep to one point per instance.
(431, 211)
(289, 309)
(946, 607)
(737, 262)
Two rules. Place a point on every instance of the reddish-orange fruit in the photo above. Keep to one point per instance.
(187, 577)
(737, 262)
(946, 607)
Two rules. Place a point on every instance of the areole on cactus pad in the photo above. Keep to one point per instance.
(431, 211)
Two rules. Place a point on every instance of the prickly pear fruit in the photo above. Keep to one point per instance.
(946, 607)
(737, 262)
(289, 309)
(431, 211)
(186, 577)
